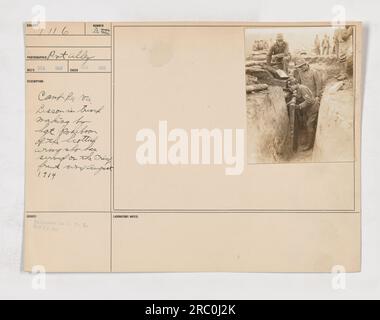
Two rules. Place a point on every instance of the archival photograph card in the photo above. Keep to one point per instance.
(193, 147)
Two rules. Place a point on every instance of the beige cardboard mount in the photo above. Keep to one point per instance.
(91, 207)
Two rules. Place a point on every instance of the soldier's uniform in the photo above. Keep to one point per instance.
(305, 97)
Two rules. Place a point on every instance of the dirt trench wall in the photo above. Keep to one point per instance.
(268, 127)
(335, 132)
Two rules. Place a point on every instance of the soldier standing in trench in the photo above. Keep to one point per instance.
(311, 79)
(308, 106)
(279, 53)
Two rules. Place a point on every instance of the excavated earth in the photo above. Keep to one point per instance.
(268, 121)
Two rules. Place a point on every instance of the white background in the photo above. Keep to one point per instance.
(16, 284)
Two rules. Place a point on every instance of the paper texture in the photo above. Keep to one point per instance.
(190, 147)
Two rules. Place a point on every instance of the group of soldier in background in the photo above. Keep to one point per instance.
(259, 45)
(341, 35)
(323, 47)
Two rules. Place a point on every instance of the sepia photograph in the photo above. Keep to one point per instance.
(300, 94)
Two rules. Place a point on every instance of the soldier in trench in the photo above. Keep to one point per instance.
(307, 108)
(312, 79)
